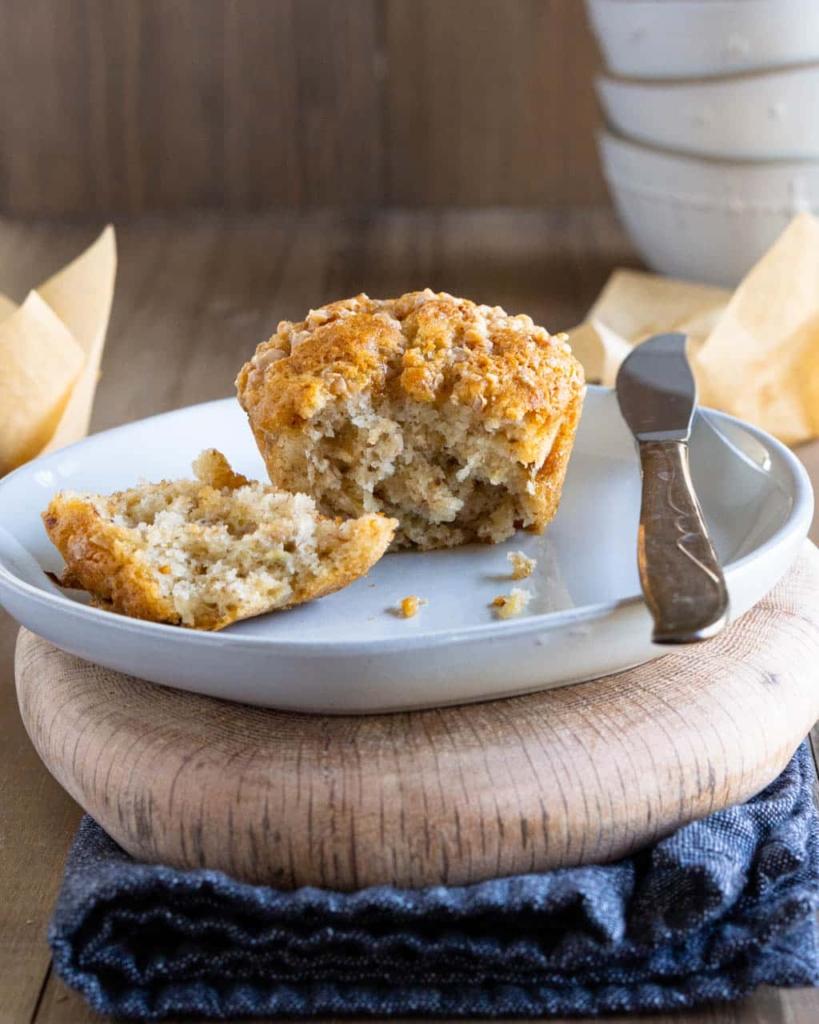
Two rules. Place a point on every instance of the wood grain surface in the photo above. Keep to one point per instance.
(193, 296)
(577, 775)
(145, 105)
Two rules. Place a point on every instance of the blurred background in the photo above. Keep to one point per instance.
(708, 136)
(142, 106)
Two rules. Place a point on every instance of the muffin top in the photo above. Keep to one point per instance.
(426, 347)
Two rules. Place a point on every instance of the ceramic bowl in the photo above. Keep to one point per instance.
(765, 115)
(689, 38)
(699, 219)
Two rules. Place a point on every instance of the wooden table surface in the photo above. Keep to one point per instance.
(193, 297)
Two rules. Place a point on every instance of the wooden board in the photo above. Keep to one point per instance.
(582, 774)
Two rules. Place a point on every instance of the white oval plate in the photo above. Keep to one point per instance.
(347, 653)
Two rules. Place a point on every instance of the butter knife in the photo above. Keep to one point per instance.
(680, 574)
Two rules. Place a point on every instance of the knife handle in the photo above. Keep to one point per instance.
(682, 580)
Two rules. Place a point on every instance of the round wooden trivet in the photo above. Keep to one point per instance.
(580, 774)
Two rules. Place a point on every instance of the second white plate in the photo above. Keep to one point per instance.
(348, 653)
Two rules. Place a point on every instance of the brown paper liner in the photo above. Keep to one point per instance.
(754, 352)
(50, 352)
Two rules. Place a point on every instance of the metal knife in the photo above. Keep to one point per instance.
(680, 574)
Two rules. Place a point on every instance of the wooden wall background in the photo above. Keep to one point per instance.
(130, 106)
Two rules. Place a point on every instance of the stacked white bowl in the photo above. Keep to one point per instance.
(713, 126)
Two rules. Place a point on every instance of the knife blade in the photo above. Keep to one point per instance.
(680, 574)
(656, 390)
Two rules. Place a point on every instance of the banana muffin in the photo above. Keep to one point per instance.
(453, 418)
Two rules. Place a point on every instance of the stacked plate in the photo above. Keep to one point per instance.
(713, 126)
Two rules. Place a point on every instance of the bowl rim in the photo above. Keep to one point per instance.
(608, 136)
(795, 71)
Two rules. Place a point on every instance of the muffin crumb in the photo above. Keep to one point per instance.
(522, 565)
(508, 605)
(410, 605)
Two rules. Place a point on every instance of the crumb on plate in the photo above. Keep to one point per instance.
(522, 565)
(507, 605)
(409, 606)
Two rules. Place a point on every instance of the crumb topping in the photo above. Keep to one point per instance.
(430, 347)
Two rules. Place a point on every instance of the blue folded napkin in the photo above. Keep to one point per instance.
(719, 907)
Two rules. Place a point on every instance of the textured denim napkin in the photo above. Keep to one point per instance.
(719, 907)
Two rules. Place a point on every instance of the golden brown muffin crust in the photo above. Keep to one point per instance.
(429, 347)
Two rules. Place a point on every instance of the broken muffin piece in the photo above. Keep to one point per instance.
(455, 419)
(204, 553)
